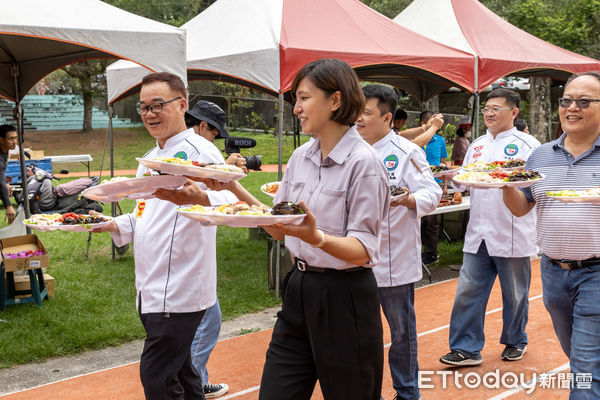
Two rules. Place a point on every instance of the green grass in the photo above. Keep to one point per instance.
(135, 142)
(94, 302)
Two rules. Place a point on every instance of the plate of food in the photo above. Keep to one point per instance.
(442, 170)
(270, 188)
(67, 222)
(242, 215)
(179, 166)
(119, 188)
(397, 192)
(591, 195)
(450, 199)
(509, 165)
(497, 179)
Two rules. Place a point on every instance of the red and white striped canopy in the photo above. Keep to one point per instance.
(501, 48)
(263, 44)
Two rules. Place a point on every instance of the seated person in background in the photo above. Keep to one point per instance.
(521, 125)
(461, 144)
(400, 117)
(40, 186)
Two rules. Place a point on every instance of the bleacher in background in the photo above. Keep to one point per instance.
(57, 112)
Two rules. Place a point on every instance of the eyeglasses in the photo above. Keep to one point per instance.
(580, 103)
(495, 110)
(155, 107)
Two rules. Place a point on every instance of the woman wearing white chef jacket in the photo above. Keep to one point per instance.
(329, 327)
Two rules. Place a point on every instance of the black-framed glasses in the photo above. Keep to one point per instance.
(565, 102)
(154, 107)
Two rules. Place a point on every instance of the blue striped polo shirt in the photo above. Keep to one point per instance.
(565, 230)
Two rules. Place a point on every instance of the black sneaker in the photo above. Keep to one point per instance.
(427, 259)
(212, 390)
(458, 359)
(511, 353)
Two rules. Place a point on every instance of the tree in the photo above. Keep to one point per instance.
(389, 8)
(85, 72)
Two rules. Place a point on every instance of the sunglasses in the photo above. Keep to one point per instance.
(580, 103)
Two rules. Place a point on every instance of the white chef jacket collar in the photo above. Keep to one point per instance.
(381, 143)
(173, 140)
(501, 135)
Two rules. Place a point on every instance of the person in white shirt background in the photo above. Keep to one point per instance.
(175, 281)
(399, 265)
(496, 244)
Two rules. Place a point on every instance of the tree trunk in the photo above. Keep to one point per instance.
(539, 109)
(86, 89)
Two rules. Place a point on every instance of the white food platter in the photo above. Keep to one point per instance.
(492, 185)
(577, 199)
(263, 188)
(70, 228)
(134, 188)
(190, 170)
(242, 221)
(448, 173)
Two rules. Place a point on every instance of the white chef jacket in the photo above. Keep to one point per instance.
(505, 235)
(175, 257)
(400, 236)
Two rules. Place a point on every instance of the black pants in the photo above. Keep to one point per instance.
(166, 368)
(430, 234)
(329, 328)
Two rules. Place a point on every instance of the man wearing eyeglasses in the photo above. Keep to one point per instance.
(568, 234)
(496, 244)
(175, 257)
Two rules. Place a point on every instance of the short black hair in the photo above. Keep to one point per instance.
(387, 100)
(4, 129)
(520, 124)
(400, 114)
(511, 97)
(595, 74)
(331, 75)
(425, 115)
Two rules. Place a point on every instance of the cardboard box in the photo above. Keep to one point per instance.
(16, 244)
(22, 283)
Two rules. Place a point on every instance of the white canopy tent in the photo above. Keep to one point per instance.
(38, 37)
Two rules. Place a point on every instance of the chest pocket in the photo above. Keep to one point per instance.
(331, 211)
(294, 192)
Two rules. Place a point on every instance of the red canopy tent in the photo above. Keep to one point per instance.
(263, 44)
(500, 48)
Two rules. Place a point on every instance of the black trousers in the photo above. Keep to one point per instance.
(329, 328)
(430, 234)
(166, 368)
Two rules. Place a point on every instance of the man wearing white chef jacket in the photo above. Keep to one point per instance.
(496, 244)
(399, 265)
(175, 281)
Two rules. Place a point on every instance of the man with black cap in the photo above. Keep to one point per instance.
(208, 120)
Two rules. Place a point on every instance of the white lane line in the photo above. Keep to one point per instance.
(441, 328)
(512, 391)
(240, 393)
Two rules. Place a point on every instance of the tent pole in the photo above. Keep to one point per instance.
(279, 176)
(113, 207)
(475, 118)
(18, 114)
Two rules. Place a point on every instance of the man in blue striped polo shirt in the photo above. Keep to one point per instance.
(569, 234)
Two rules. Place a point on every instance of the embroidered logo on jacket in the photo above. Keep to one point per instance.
(391, 162)
(511, 149)
(139, 210)
(181, 154)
